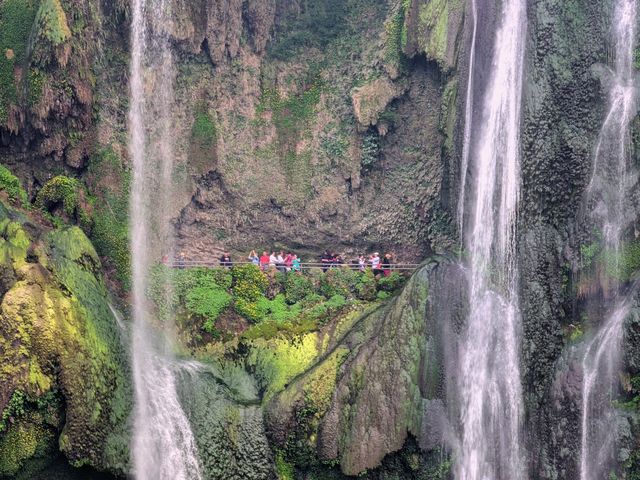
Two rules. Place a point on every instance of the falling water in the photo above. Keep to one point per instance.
(488, 377)
(468, 114)
(163, 443)
(608, 195)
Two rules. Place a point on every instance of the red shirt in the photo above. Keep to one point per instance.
(264, 260)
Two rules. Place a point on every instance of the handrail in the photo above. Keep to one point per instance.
(303, 265)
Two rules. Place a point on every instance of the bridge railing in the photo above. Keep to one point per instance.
(399, 267)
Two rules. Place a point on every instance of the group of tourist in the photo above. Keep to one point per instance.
(290, 262)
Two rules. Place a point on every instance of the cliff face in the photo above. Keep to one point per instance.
(307, 125)
(304, 125)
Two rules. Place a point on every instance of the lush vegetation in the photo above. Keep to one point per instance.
(270, 301)
(110, 181)
(16, 22)
(65, 196)
(314, 26)
(10, 184)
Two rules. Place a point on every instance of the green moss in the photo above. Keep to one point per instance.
(16, 21)
(448, 115)
(395, 41)
(14, 243)
(67, 193)
(314, 26)
(36, 83)
(279, 360)
(10, 184)
(204, 130)
(291, 116)
(249, 287)
(434, 29)
(19, 444)
(623, 265)
(285, 470)
(53, 22)
(89, 349)
(110, 181)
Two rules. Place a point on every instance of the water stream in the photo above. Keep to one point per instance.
(488, 375)
(608, 197)
(163, 447)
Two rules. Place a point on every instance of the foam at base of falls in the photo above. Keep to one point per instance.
(164, 444)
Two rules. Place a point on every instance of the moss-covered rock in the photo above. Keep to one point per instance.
(366, 395)
(59, 334)
(434, 28)
(371, 99)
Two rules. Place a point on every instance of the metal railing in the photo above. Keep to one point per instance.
(400, 267)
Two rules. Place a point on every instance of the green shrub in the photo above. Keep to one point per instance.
(10, 184)
(366, 288)
(249, 287)
(190, 278)
(277, 309)
(249, 282)
(382, 295)
(14, 409)
(326, 310)
(208, 303)
(391, 283)
(252, 311)
(314, 26)
(66, 192)
(297, 288)
(339, 281)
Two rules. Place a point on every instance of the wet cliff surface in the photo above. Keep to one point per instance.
(304, 125)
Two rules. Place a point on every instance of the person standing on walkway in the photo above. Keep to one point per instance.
(375, 264)
(362, 263)
(253, 258)
(386, 264)
(225, 260)
(264, 261)
(295, 264)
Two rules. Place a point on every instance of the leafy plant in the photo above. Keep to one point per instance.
(14, 409)
(249, 286)
(207, 303)
(297, 288)
(64, 191)
(10, 184)
(370, 149)
(391, 283)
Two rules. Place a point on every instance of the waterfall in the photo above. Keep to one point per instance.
(163, 443)
(488, 376)
(468, 114)
(608, 196)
